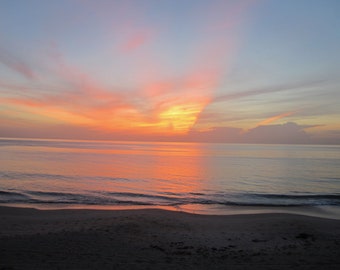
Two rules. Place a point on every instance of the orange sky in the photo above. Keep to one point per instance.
(202, 70)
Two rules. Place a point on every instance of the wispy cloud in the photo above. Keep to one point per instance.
(85, 100)
(274, 118)
(270, 90)
(11, 61)
(156, 102)
(135, 40)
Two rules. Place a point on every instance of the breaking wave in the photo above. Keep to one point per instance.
(166, 199)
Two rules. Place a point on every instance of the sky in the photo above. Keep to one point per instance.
(252, 71)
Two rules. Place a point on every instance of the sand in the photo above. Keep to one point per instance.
(160, 239)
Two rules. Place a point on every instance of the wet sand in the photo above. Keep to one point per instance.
(160, 239)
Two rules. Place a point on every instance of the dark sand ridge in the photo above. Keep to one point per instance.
(159, 239)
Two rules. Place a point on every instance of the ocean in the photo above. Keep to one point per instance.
(193, 177)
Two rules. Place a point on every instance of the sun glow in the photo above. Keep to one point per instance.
(134, 87)
(181, 117)
(174, 119)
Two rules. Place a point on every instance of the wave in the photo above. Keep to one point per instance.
(299, 197)
(40, 197)
(8, 175)
(175, 199)
(293, 199)
(12, 195)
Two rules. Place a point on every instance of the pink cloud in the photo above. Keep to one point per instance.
(275, 118)
(159, 104)
(168, 110)
(16, 64)
(135, 40)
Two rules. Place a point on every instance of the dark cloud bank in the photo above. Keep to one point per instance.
(285, 133)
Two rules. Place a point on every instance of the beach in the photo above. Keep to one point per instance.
(161, 239)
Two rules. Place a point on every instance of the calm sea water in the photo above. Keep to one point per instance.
(59, 174)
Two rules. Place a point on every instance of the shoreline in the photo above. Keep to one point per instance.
(321, 211)
(155, 238)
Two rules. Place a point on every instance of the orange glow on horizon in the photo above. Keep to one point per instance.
(172, 117)
(176, 119)
(154, 97)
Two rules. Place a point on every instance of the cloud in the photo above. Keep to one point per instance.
(328, 136)
(270, 90)
(158, 101)
(169, 106)
(216, 134)
(288, 133)
(135, 40)
(25, 129)
(14, 63)
(274, 118)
